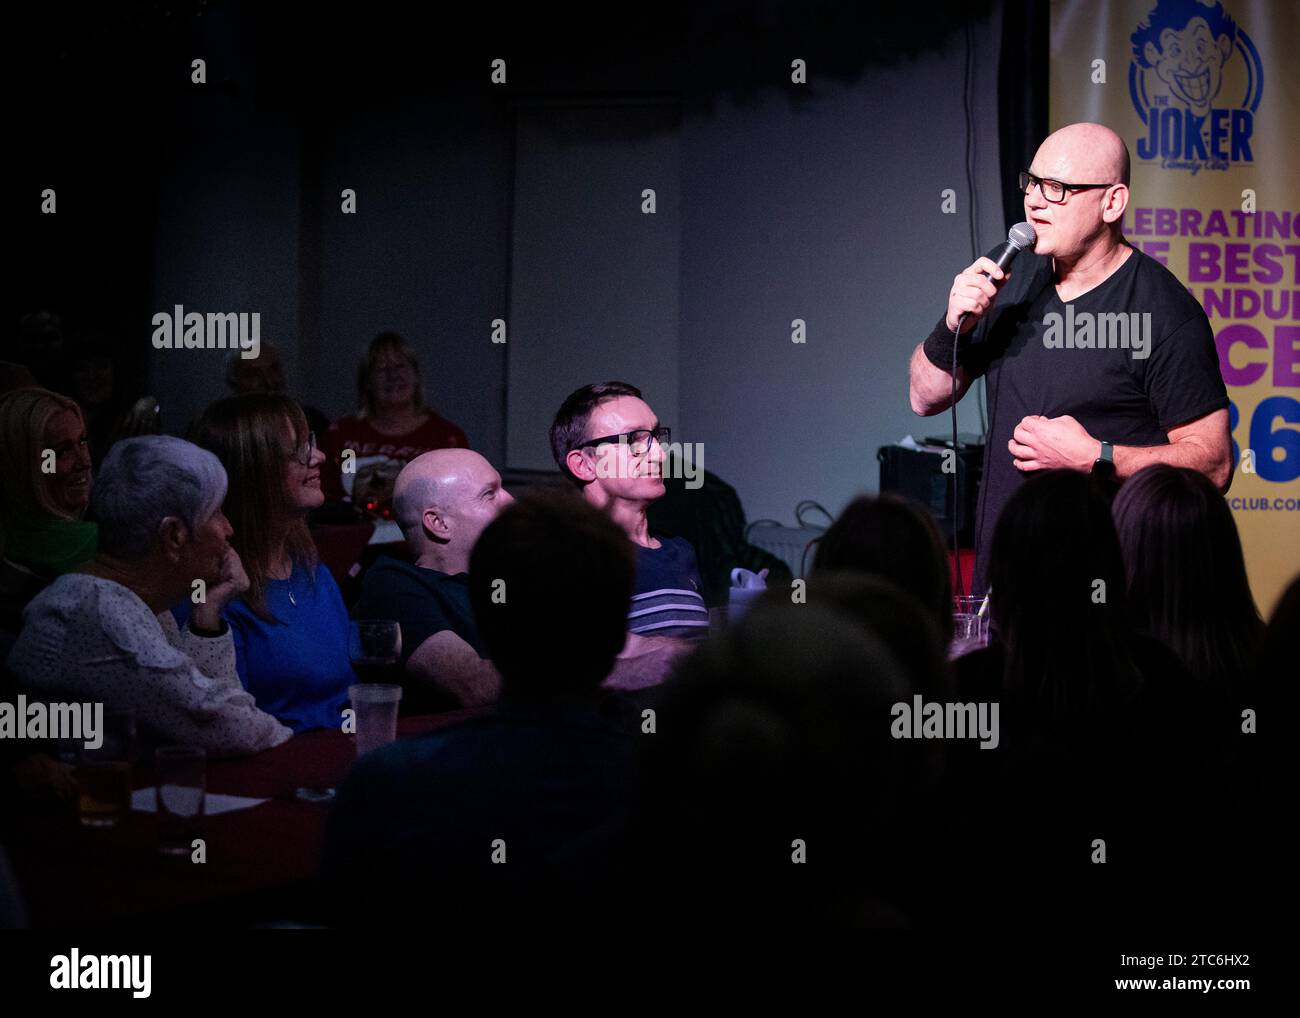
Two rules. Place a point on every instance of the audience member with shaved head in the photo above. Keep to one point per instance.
(442, 500)
(1095, 357)
(514, 815)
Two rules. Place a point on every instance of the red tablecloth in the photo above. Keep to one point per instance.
(259, 861)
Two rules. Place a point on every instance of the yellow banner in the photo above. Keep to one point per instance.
(1207, 97)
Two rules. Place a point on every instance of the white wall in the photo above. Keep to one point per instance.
(829, 212)
(594, 278)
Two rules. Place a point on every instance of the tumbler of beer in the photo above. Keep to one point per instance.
(104, 772)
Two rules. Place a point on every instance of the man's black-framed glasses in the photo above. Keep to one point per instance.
(638, 442)
(1053, 190)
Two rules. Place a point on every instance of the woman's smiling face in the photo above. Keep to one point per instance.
(68, 487)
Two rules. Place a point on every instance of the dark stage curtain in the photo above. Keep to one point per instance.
(1022, 95)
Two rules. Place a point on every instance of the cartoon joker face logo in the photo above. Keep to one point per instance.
(1191, 62)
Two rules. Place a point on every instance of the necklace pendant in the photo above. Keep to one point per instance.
(292, 600)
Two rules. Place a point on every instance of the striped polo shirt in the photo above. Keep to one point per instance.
(667, 600)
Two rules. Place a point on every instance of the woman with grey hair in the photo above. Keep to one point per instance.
(104, 632)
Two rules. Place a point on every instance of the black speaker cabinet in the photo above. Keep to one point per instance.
(919, 474)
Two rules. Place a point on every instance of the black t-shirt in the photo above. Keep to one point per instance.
(423, 601)
(1117, 394)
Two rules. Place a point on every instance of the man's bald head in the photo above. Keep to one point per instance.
(1083, 154)
(459, 486)
(1088, 218)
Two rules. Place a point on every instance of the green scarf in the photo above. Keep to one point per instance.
(52, 545)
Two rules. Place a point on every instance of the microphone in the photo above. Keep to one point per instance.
(1019, 238)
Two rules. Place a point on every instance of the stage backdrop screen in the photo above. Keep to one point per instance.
(1207, 98)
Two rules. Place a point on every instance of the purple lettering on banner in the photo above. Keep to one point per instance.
(1202, 263)
(1142, 222)
(1216, 225)
(1286, 356)
(1189, 222)
(1245, 303)
(1287, 301)
(1157, 249)
(1166, 222)
(1266, 256)
(1250, 372)
(1236, 260)
(1217, 302)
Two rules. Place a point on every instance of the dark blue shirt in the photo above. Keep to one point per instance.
(667, 600)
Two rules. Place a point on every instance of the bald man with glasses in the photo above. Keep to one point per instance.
(1095, 356)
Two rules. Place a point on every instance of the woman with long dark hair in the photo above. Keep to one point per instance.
(1186, 576)
(897, 539)
(1092, 715)
(291, 627)
(1058, 605)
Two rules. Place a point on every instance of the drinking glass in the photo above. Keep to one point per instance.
(970, 625)
(104, 773)
(181, 791)
(375, 712)
(375, 647)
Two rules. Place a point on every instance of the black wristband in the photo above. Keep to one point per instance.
(938, 346)
(209, 634)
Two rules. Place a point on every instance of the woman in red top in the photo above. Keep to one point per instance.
(393, 427)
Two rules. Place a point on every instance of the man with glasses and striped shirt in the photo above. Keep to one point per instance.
(609, 442)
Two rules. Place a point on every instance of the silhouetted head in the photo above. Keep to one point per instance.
(1186, 574)
(891, 614)
(775, 740)
(550, 582)
(263, 373)
(897, 539)
(1057, 596)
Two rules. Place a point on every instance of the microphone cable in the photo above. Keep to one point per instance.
(956, 505)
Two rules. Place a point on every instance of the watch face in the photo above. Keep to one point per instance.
(1103, 468)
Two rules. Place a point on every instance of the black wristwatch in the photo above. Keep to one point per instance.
(1104, 465)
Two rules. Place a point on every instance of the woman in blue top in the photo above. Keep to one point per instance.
(291, 627)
